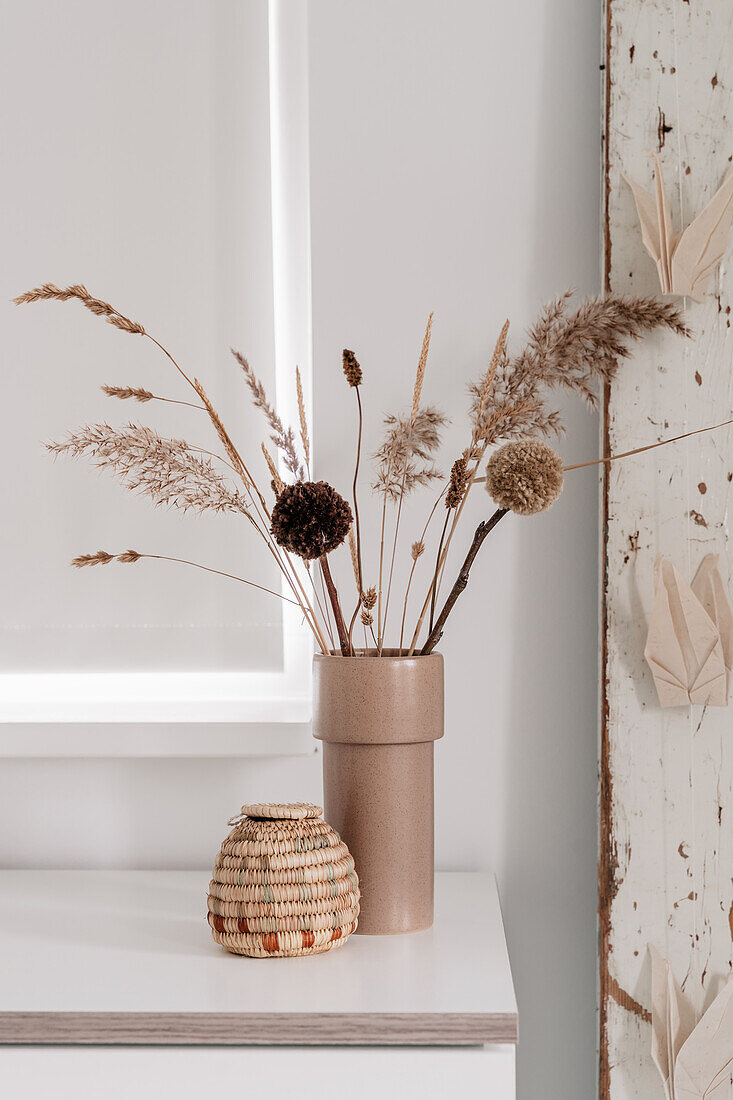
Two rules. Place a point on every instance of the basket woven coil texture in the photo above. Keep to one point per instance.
(284, 884)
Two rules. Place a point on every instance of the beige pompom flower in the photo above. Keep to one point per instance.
(525, 477)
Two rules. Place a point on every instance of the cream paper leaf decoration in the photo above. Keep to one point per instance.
(683, 646)
(711, 592)
(695, 1061)
(686, 259)
(672, 1021)
(704, 1066)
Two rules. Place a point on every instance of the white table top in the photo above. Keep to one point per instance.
(134, 946)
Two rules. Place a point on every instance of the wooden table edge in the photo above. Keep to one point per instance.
(264, 1029)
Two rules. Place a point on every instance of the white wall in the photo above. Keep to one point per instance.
(454, 167)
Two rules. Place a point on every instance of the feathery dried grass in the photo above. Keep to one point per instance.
(417, 550)
(166, 470)
(406, 453)
(102, 309)
(124, 393)
(579, 351)
(283, 439)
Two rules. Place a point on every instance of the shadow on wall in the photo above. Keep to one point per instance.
(549, 875)
(550, 769)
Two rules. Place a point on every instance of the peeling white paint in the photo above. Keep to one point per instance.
(672, 770)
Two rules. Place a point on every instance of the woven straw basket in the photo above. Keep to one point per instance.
(284, 884)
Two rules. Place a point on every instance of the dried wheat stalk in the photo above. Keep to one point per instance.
(277, 482)
(81, 294)
(124, 393)
(131, 556)
(100, 558)
(420, 374)
(304, 438)
(354, 561)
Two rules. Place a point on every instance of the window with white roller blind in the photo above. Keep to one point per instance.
(142, 145)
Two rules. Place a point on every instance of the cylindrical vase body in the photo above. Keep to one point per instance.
(378, 718)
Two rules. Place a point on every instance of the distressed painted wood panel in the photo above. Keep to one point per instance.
(666, 775)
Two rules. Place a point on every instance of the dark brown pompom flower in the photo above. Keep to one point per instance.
(525, 477)
(310, 519)
(352, 370)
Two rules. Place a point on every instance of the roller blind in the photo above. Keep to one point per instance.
(136, 149)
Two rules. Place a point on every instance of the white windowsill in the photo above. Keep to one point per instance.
(161, 714)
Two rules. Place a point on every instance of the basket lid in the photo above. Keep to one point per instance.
(279, 811)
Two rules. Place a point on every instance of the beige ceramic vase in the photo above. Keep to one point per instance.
(378, 718)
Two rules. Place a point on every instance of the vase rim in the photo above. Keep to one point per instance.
(371, 655)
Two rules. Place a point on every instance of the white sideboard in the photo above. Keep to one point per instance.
(110, 984)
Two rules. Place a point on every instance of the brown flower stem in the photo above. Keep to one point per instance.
(381, 567)
(481, 532)
(180, 370)
(353, 620)
(436, 581)
(392, 561)
(175, 401)
(337, 613)
(649, 447)
(290, 573)
(414, 564)
(637, 450)
(219, 573)
(383, 628)
(446, 548)
(476, 439)
(322, 607)
(357, 527)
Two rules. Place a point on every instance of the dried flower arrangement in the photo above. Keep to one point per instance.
(578, 349)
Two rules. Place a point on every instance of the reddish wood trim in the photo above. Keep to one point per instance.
(607, 865)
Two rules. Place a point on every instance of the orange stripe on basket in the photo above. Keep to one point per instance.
(242, 925)
(308, 939)
(336, 934)
(218, 922)
(270, 942)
